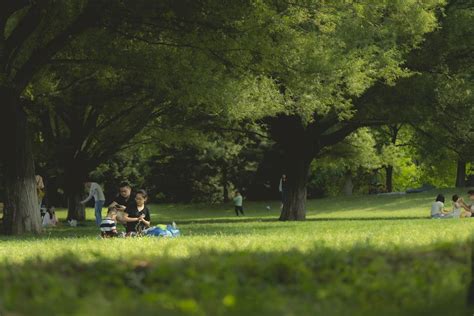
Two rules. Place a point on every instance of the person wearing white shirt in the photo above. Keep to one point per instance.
(437, 208)
(95, 191)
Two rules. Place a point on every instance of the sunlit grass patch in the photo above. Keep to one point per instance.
(353, 256)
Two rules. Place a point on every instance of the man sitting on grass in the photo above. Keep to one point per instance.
(108, 226)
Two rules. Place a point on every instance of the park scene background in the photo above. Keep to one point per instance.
(366, 106)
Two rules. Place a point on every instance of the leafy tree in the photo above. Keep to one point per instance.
(447, 62)
(322, 57)
(449, 125)
(88, 124)
(31, 33)
(217, 157)
(74, 34)
(354, 155)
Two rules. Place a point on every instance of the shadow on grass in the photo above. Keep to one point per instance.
(323, 281)
(62, 231)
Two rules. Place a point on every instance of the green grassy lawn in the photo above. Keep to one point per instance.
(361, 255)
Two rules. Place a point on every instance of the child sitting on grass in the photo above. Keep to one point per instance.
(458, 208)
(49, 218)
(108, 226)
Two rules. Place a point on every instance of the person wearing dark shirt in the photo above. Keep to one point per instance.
(124, 199)
(137, 217)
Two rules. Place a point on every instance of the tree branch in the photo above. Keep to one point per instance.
(337, 136)
(40, 56)
(24, 29)
(67, 86)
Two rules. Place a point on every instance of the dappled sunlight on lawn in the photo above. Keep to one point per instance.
(348, 251)
(385, 222)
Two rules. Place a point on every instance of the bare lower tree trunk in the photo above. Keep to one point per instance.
(21, 212)
(294, 206)
(461, 174)
(389, 178)
(75, 210)
(393, 130)
(225, 185)
(348, 184)
(297, 146)
(74, 186)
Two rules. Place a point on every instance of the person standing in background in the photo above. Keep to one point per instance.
(282, 188)
(40, 189)
(238, 203)
(96, 192)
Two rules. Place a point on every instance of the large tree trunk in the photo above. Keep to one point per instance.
(394, 130)
(297, 146)
(21, 213)
(225, 184)
(389, 178)
(461, 174)
(53, 198)
(74, 188)
(297, 172)
(75, 210)
(297, 162)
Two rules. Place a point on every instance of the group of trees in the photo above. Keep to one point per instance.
(223, 89)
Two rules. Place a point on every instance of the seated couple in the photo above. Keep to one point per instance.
(460, 208)
(135, 217)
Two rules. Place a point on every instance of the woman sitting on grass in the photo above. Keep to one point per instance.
(137, 217)
(437, 208)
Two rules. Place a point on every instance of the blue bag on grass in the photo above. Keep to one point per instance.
(162, 231)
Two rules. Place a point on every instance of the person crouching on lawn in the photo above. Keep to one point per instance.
(108, 226)
(138, 216)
